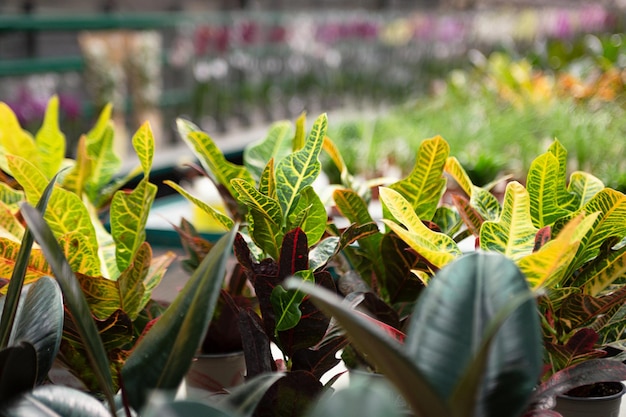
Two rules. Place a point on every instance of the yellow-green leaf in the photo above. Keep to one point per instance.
(103, 295)
(81, 255)
(547, 267)
(425, 185)
(76, 178)
(215, 214)
(104, 162)
(131, 282)
(300, 136)
(143, 142)
(437, 248)
(309, 215)
(14, 140)
(300, 169)
(545, 186)
(584, 186)
(9, 195)
(266, 234)
(50, 140)
(514, 233)
(255, 200)
(267, 182)
(601, 273)
(352, 206)
(10, 226)
(129, 213)
(37, 265)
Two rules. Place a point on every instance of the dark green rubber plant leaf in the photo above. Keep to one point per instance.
(39, 322)
(163, 356)
(450, 322)
(75, 302)
(387, 353)
(55, 401)
(18, 370)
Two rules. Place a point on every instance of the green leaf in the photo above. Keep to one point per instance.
(9, 195)
(386, 352)
(276, 145)
(131, 282)
(266, 234)
(322, 252)
(50, 140)
(548, 266)
(300, 169)
(129, 214)
(286, 304)
(76, 178)
(255, 200)
(66, 212)
(545, 186)
(603, 271)
(104, 162)
(425, 185)
(300, 134)
(564, 198)
(215, 214)
(267, 182)
(75, 302)
(14, 140)
(584, 186)
(39, 321)
(18, 370)
(211, 157)
(143, 142)
(162, 357)
(310, 215)
(437, 248)
(450, 325)
(481, 200)
(55, 401)
(514, 233)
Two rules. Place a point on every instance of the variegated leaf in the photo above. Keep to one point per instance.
(102, 295)
(448, 220)
(11, 227)
(37, 265)
(485, 203)
(513, 234)
(310, 215)
(322, 252)
(352, 206)
(300, 169)
(81, 256)
(267, 182)
(129, 214)
(471, 218)
(9, 195)
(556, 149)
(546, 268)
(211, 157)
(158, 268)
(50, 140)
(603, 271)
(613, 330)
(425, 185)
(76, 178)
(277, 145)
(14, 140)
(299, 136)
(584, 186)
(219, 217)
(437, 248)
(255, 200)
(266, 234)
(143, 143)
(610, 223)
(131, 282)
(545, 185)
(104, 162)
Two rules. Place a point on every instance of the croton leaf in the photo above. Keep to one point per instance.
(9, 195)
(598, 275)
(257, 201)
(471, 218)
(399, 283)
(547, 267)
(556, 149)
(545, 186)
(322, 252)
(514, 233)
(437, 248)
(267, 182)
(10, 225)
(584, 186)
(100, 151)
(266, 234)
(76, 178)
(424, 186)
(287, 303)
(14, 140)
(310, 215)
(143, 143)
(50, 140)
(299, 135)
(37, 265)
(300, 169)
(276, 145)
(211, 157)
(219, 217)
(612, 207)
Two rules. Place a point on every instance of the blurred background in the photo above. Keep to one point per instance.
(497, 79)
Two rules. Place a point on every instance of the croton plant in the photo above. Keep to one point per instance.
(115, 268)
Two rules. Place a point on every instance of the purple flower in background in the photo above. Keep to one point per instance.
(248, 32)
(70, 106)
(28, 108)
(366, 30)
(563, 26)
(594, 18)
(328, 33)
(450, 29)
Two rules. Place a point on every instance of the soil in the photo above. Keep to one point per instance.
(601, 389)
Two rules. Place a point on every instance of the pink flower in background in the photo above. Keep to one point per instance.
(563, 26)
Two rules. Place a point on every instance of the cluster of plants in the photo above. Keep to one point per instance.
(540, 300)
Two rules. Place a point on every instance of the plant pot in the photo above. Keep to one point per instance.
(210, 373)
(605, 406)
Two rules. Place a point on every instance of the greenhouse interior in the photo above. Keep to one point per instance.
(295, 208)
